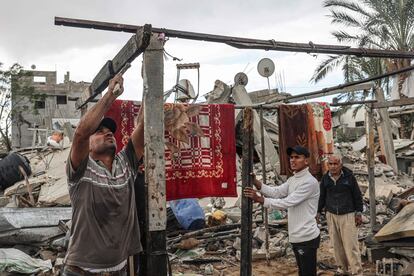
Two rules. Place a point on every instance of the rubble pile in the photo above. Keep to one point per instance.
(35, 217)
(390, 244)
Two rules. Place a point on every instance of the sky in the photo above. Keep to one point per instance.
(29, 37)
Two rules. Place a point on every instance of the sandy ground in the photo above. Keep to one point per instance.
(283, 266)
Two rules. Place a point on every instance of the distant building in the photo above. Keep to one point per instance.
(348, 127)
(348, 119)
(53, 106)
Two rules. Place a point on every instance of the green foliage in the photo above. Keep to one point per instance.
(14, 91)
(383, 24)
(380, 24)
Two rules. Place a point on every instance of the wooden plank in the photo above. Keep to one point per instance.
(371, 164)
(399, 102)
(247, 203)
(400, 226)
(241, 97)
(155, 259)
(385, 132)
(135, 46)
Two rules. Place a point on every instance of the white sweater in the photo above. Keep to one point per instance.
(300, 195)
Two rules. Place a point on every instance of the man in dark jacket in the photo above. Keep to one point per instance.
(341, 197)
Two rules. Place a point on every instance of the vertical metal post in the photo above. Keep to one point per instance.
(371, 165)
(155, 260)
(247, 204)
(264, 210)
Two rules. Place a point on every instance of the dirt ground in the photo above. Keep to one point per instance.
(282, 266)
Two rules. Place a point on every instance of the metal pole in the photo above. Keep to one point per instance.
(247, 204)
(322, 92)
(240, 42)
(264, 210)
(371, 165)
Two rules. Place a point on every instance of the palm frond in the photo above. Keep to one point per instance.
(343, 36)
(325, 67)
(353, 6)
(345, 19)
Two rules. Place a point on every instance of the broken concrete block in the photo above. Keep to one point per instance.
(383, 190)
(56, 193)
(260, 254)
(389, 174)
(260, 233)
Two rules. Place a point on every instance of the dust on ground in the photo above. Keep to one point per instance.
(283, 266)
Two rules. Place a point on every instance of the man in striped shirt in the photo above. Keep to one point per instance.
(105, 228)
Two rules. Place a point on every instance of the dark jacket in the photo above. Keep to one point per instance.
(341, 197)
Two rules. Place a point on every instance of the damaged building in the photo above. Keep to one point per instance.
(48, 108)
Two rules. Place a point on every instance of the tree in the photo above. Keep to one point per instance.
(12, 91)
(381, 24)
(353, 69)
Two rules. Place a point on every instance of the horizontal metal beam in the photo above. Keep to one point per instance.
(353, 103)
(325, 91)
(239, 42)
(328, 92)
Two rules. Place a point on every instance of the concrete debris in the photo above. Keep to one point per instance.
(43, 229)
(16, 261)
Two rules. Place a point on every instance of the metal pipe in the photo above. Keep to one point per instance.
(342, 86)
(264, 210)
(239, 42)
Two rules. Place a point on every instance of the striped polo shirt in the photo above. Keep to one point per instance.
(105, 228)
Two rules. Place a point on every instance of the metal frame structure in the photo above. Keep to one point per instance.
(146, 40)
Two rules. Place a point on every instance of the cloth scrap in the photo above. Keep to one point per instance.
(310, 126)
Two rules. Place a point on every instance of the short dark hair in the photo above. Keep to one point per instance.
(298, 150)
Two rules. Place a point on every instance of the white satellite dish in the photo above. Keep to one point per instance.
(185, 90)
(241, 79)
(266, 67)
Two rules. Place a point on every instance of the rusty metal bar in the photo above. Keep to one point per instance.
(324, 91)
(240, 42)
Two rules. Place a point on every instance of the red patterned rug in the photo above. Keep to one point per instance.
(203, 167)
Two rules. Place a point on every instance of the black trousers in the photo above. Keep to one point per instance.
(305, 253)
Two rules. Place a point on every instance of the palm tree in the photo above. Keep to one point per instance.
(381, 24)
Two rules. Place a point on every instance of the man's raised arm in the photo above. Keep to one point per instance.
(137, 136)
(90, 122)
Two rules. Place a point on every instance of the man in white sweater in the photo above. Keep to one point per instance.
(299, 195)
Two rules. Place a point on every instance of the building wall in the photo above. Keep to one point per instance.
(347, 119)
(41, 113)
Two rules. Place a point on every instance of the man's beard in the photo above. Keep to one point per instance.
(107, 149)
